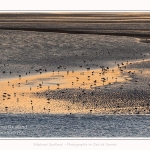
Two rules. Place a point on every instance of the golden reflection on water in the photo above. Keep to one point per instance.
(16, 94)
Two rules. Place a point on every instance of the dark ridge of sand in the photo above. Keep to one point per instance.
(72, 29)
(145, 40)
(145, 65)
(81, 31)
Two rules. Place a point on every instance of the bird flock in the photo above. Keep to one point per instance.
(104, 89)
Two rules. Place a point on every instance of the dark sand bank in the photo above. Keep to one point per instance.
(31, 52)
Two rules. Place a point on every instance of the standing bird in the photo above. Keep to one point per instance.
(19, 76)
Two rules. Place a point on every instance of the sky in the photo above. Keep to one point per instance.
(74, 5)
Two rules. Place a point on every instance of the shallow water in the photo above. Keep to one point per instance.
(74, 125)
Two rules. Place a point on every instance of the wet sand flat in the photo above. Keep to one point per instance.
(17, 92)
(75, 92)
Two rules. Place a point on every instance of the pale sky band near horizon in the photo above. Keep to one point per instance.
(74, 5)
